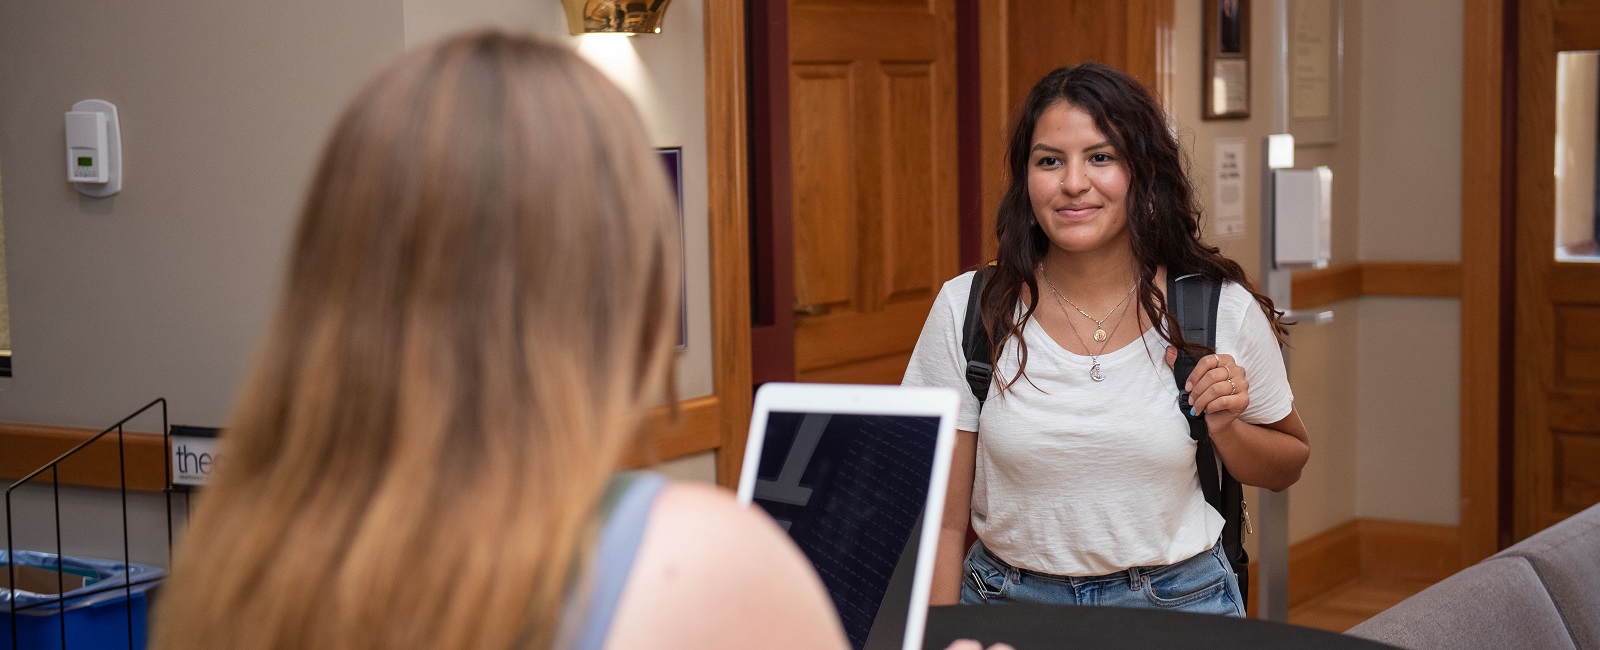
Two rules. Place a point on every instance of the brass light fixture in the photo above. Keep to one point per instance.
(615, 16)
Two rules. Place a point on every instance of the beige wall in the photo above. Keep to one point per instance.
(1378, 387)
(665, 75)
(1324, 388)
(1409, 375)
(1408, 396)
(164, 289)
(1410, 204)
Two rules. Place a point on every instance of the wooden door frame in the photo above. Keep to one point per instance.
(728, 208)
(1488, 145)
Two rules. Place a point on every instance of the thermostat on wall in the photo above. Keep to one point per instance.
(94, 148)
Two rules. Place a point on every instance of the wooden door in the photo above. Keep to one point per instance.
(1556, 369)
(872, 137)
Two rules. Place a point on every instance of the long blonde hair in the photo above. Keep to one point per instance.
(476, 317)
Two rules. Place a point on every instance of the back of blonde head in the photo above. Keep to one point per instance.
(475, 319)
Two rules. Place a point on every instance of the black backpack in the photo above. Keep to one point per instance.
(1193, 301)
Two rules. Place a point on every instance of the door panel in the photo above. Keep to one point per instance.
(872, 119)
(824, 184)
(911, 220)
(1557, 333)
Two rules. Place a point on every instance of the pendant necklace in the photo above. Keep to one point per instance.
(1094, 357)
(1099, 332)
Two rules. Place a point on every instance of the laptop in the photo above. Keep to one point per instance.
(856, 475)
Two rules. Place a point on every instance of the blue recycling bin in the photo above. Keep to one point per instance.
(102, 604)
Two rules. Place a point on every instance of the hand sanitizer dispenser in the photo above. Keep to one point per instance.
(1302, 202)
(94, 148)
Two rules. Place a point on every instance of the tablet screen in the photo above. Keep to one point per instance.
(851, 489)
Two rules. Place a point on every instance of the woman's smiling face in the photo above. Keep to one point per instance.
(1076, 182)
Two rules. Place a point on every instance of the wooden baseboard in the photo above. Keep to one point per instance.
(1368, 551)
(1408, 552)
(1325, 561)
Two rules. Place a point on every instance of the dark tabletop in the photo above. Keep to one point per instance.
(1033, 627)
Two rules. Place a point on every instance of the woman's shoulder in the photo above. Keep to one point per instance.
(714, 573)
(958, 286)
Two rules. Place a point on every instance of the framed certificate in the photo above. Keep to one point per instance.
(1226, 74)
(1315, 45)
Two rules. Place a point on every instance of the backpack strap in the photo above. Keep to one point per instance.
(976, 342)
(1193, 301)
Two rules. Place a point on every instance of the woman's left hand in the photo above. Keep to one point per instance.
(1218, 387)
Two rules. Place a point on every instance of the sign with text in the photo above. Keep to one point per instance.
(194, 454)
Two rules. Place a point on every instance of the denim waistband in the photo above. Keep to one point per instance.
(1130, 573)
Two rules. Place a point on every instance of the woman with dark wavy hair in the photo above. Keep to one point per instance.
(1079, 477)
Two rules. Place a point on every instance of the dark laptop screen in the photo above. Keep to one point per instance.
(850, 490)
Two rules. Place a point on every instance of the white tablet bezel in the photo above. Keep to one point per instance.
(942, 403)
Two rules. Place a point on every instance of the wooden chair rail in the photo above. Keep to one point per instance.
(27, 447)
(1326, 286)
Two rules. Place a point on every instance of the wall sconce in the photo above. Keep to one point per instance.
(615, 16)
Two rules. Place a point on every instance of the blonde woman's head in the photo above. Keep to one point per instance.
(477, 314)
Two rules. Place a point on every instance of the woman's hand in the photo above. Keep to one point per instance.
(969, 644)
(1264, 455)
(1219, 387)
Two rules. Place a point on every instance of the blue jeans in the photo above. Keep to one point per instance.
(1202, 584)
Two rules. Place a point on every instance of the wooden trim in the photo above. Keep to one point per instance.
(1407, 552)
(1577, 27)
(994, 114)
(728, 204)
(969, 133)
(1368, 551)
(1324, 562)
(696, 428)
(1326, 286)
(1436, 280)
(771, 219)
(1482, 161)
(28, 447)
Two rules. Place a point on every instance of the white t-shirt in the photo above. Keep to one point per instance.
(1082, 478)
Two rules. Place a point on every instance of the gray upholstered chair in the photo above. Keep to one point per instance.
(1543, 592)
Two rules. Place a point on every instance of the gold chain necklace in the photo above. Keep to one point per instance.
(1099, 332)
(1094, 357)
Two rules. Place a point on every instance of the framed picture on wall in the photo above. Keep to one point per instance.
(1315, 45)
(1225, 77)
(672, 160)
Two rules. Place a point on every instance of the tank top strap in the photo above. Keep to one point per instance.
(625, 509)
